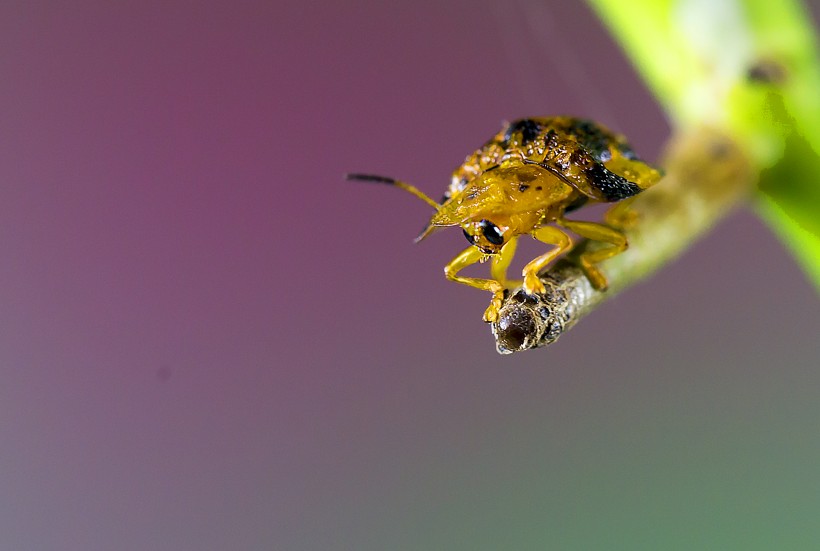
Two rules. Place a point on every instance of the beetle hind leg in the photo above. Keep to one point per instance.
(615, 240)
(621, 216)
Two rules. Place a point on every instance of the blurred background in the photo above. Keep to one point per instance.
(210, 341)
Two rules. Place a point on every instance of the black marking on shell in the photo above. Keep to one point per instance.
(529, 129)
(592, 138)
(613, 187)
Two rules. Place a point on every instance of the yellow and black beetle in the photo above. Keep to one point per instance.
(525, 178)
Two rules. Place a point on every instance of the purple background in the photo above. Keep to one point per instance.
(210, 341)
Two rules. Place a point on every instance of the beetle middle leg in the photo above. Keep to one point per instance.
(552, 236)
(597, 232)
(501, 261)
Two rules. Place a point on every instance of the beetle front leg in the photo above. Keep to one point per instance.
(500, 263)
(467, 257)
(551, 236)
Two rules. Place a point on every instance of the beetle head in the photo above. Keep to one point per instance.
(486, 235)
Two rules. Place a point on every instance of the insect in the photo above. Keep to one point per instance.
(524, 180)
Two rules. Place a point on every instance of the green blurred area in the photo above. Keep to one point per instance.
(750, 68)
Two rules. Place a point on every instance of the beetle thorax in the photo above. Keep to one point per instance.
(514, 195)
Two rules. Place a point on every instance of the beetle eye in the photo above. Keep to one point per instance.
(470, 238)
(491, 232)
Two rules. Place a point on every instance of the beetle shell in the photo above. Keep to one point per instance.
(590, 157)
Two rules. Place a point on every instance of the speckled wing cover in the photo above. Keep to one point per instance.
(597, 162)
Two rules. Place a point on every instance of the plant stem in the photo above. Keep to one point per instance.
(707, 174)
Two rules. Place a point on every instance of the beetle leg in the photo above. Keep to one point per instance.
(500, 263)
(551, 236)
(467, 257)
(621, 216)
(597, 232)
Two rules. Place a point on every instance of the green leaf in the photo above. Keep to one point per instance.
(790, 201)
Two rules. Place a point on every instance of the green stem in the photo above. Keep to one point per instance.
(752, 69)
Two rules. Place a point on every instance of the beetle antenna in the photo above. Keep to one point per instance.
(427, 230)
(393, 182)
